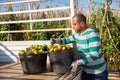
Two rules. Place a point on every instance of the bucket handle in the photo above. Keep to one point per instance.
(76, 54)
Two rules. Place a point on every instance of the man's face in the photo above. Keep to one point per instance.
(76, 25)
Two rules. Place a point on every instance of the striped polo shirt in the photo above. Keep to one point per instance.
(89, 48)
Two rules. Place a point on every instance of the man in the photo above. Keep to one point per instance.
(89, 48)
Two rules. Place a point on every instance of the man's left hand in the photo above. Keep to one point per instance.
(75, 65)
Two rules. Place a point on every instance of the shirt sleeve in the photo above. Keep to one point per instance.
(65, 40)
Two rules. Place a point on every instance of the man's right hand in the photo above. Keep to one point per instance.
(52, 41)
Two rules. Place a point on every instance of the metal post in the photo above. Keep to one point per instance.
(72, 12)
(30, 16)
(73, 9)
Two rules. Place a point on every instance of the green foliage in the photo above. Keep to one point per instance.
(109, 34)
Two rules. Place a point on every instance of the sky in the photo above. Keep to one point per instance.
(84, 4)
(114, 4)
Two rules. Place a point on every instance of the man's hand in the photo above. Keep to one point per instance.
(52, 41)
(75, 65)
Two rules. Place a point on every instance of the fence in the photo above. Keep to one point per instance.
(9, 49)
(73, 3)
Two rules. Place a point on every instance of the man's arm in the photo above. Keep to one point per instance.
(94, 48)
(65, 40)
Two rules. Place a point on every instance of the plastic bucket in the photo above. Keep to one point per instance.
(61, 60)
(33, 63)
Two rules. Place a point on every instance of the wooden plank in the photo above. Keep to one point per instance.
(23, 43)
(37, 20)
(18, 2)
(13, 48)
(41, 30)
(31, 11)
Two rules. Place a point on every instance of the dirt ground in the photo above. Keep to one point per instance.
(13, 71)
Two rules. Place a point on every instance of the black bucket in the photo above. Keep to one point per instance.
(61, 60)
(33, 63)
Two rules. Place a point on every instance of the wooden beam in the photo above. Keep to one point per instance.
(38, 20)
(40, 30)
(31, 11)
(18, 2)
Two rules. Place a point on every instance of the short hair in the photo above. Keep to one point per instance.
(80, 17)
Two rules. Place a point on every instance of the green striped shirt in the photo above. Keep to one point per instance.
(89, 48)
